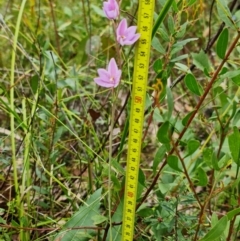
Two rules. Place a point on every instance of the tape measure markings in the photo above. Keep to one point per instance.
(141, 63)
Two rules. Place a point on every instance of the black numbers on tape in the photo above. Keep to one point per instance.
(135, 131)
(147, 2)
(133, 159)
(145, 15)
(141, 65)
(137, 110)
(142, 54)
(140, 77)
(143, 41)
(144, 28)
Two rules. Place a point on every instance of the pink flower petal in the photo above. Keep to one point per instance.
(112, 67)
(132, 40)
(104, 74)
(118, 78)
(131, 31)
(122, 27)
(103, 83)
(111, 9)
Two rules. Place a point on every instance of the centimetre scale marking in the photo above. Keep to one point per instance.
(141, 63)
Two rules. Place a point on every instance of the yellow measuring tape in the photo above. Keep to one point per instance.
(140, 76)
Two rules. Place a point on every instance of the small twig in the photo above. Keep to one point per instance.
(231, 227)
(55, 29)
(186, 174)
(85, 18)
(209, 23)
(49, 229)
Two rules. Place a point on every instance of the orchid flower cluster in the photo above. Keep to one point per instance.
(111, 76)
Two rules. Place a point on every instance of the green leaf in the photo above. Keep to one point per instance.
(224, 13)
(116, 183)
(202, 177)
(236, 118)
(201, 61)
(115, 164)
(157, 45)
(159, 157)
(234, 145)
(164, 35)
(157, 66)
(175, 50)
(171, 24)
(3, 221)
(166, 187)
(182, 30)
(215, 162)
(98, 10)
(184, 42)
(83, 217)
(181, 67)
(141, 177)
(192, 84)
(68, 82)
(162, 133)
(233, 213)
(236, 80)
(217, 230)
(161, 16)
(173, 163)
(141, 184)
(224, 161)
(116, 229)
(98, 219)
(170, 102)
(184, 56)
(207, 156)
(222, 43)
(145, 211)
(192, 146)
(231, 74)
(186, 118)
(34, 83)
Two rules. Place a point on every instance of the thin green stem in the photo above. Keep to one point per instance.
(26, 170)
(12, 118)
(109, 168)
(161, 16)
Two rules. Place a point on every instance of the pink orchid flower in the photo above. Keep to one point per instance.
(109, 77)
(125, 35)
(111, 9)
